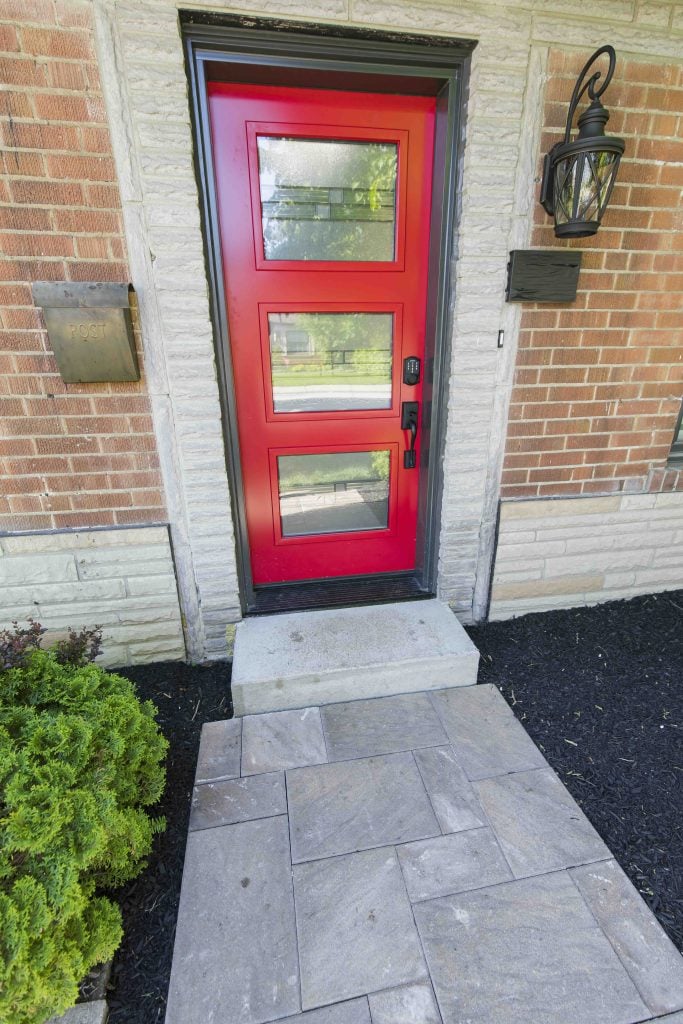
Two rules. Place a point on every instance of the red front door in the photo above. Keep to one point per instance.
(324, 207)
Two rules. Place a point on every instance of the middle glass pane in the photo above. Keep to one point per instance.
(320, 362)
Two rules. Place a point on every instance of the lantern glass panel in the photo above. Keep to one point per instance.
(583, 183)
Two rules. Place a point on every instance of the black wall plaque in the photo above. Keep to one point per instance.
(543, 275)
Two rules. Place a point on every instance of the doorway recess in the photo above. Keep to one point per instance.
(232, 49)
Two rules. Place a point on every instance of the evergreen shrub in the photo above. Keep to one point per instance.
(80, 758)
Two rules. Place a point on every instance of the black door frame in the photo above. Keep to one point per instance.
(236, 48)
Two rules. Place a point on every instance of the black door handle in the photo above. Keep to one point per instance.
(409, 422)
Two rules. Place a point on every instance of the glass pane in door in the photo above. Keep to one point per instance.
(327, 199)
(341, 492)
(320, 362)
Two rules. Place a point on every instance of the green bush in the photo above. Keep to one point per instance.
(80, 757)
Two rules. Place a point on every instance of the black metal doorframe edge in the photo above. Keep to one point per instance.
(437, 65)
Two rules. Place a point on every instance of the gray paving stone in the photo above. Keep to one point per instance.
(361, 728)
(525, 952)
(219, 751)
(671, 1018)
(235, 955)
(410, 1004)
(233, 800)
(539, 826)
(647, 953)
(487, 738)
(454, 801)
(85, 1013)
(354, 805)
(452, 863)
(355, 1011)
(282, 739)
(355, 926)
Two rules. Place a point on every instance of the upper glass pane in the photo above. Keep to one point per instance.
(327, 200)
(325, 361)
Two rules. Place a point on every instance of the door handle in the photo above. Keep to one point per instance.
(409, 422)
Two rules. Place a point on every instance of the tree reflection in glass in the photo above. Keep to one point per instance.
(326, 361)
(327, 200)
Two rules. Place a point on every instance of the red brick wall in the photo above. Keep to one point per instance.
(598, 384)
(70, 455)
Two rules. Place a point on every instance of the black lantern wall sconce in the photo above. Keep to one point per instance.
(579, 175)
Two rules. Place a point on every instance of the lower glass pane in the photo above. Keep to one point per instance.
(339, 493)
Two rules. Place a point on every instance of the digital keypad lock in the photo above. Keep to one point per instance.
(411, 370)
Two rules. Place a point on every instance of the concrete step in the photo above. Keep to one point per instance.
(304, 659)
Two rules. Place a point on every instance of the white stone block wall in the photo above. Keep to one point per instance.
(121, 579)
(146, 91)
(565, 552)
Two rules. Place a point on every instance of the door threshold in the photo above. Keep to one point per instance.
(336, 593)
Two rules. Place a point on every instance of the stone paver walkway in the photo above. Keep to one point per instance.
(404, 860)
(84, 1013)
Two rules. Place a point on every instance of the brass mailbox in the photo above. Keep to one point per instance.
(90, 330)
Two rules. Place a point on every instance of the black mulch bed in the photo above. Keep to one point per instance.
(599, 689)
(186, 696)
